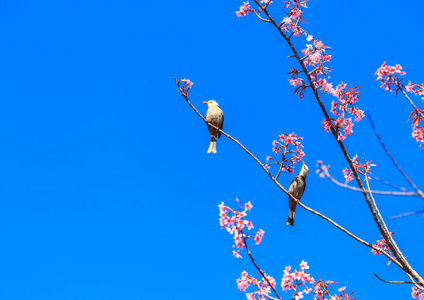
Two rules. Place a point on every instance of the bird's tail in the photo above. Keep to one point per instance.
(212, 145)
(290, 220)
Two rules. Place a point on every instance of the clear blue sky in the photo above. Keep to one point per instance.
(106, 188)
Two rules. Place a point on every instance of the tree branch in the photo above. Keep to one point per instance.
(284, 190)
(405, 265)
(419, 193)
(346, 186)
(393, 281)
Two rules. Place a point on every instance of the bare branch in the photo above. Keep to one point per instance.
(393, 281)
(420, 194)
(407, 214)
(260, 18)
(346, 186)
(389, 184)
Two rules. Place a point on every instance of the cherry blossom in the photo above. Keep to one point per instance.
(381, 244)
(389, 77)
(244, 9)
(289, 156)
(236, 223)
(417, 293)
(186, 87)
(363, 169)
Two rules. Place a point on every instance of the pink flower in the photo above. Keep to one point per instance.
(187, 82)
(304, 265)
(347, 175)
(259, 236)
(416, 292)
(295, 82)
(249, 224)
(326, 124)
(287, 270)
(418, 135)
(248, 206)
(244, 9)
(299, 295)
(308, 49)
(318, 45)
(237, 254)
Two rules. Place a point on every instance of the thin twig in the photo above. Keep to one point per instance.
(281, 166)
(406, 214)
(409, 99)
(393, 281)
(260, 18)
(295, 292)
(420, 194)
(389, 184)
(346, 186)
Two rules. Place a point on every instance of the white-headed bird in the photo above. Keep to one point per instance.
(297, 187)
(215, 116)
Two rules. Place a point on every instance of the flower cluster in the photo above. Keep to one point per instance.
(186, 87)
(289, 156)
(294, 280)
(363, 169)
(264, 289)
(244, 9)
(292, 19)
(416, 89)
(381, 244)
(388, 76)
(346, 98)
(322, 170)
(417, 293)
(300, 282)
(345, 103)
(294, 80)
(235, 225)
(417, 116)
(321, 292)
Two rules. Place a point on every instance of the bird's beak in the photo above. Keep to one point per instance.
(206, 103)
(303, 163)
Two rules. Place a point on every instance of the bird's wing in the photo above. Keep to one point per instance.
(221, 126)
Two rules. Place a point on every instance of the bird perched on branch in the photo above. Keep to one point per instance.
(215, 116)
(297, 187)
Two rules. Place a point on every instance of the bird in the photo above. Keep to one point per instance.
(296, 189)
(215, 116)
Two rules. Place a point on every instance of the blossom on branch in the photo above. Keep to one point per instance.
(186, 87)
(236, 223)
(417, 293)
(292, 19)
(388, 76)
(289, 156)
(381, 244)
(244, 9)
(263, 287)
(363, 169)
